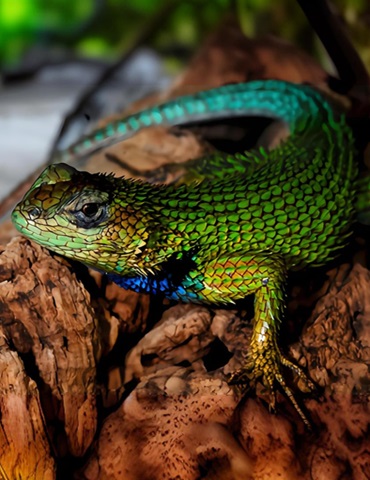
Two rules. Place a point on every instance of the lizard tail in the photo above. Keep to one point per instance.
(363, 200)
(301, 107)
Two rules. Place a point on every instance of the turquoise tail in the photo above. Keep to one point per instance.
(301, 107)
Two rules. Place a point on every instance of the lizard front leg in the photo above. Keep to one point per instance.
(263, 275)
(264, 359)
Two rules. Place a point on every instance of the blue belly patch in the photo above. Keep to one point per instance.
(158, 285)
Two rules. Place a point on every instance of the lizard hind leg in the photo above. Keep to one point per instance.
(264, 359)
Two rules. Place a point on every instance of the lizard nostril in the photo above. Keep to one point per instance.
(35, 212)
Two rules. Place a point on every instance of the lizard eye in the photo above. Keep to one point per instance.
(91, 214)
(90, 209)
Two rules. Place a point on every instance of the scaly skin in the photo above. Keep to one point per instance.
(239, 231)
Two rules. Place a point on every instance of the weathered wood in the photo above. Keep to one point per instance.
(188, 420)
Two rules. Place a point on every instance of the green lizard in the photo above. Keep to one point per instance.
(237, 232)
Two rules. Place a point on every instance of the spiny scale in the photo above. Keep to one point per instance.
(229, 236)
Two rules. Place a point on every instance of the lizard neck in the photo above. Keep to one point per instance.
(144, 229)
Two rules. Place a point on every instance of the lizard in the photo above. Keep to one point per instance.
(238, 230)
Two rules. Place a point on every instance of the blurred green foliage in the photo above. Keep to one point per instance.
(356, 14)
(105, 28)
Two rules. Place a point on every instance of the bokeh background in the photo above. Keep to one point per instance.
(55, 53)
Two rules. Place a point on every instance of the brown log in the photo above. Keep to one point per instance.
(185, 421)
(48, 320)
(24, 446)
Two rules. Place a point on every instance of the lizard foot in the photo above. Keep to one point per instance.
(264, 362)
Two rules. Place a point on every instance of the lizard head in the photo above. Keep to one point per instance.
(73, 214)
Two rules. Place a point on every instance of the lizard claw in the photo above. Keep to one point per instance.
(265, 364)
